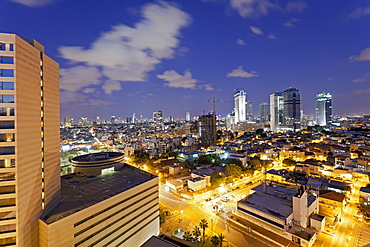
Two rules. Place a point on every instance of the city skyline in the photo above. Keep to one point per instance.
(133, 60)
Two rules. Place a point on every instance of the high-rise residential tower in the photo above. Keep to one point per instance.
(324, 113)
(207, 130)
(29, 138)
(249, 110)
(292, 108)
(240, 98)
(187, 116)
(276, 110)
(264, 112)
(158, 116)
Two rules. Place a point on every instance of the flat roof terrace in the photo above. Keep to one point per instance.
(268, 204)
(80, 191)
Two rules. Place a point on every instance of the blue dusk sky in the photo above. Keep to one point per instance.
(119, 57)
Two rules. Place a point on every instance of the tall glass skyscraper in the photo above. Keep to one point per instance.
(292, 108)
(324, 115)
(276, 110)
(264, 112)
(240, 98)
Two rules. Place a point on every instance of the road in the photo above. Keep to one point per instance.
(188, 214)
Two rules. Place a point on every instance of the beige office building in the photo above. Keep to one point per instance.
(117, 207)
(29, 138)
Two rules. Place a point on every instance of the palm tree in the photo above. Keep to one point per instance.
(203, 224)
(196, 233)
(187, 236)
(221, 238)
(215, 241)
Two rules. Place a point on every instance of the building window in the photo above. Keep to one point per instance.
(7, 150)
(6, 60)
(6, 98)
(11, 47)
(7, 163)
(6, 85)
(6, 73)
(7, 137)
(6, 111)
(2, 47)
(6, 124)
(7, 176)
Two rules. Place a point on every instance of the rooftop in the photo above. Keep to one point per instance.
(80, 191)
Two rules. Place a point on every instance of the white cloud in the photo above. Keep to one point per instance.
(253, 8)
(356, 93)
(34, 3)
(330, 78)
(128, 53)
(97, 102)
(364, 55)
(77, 77)
(89, 90)
(207, 87)
(256, 30)
(272, 36)
(290, 23)
(176, 80)
(110, 86)
(240, 42)
(239, 72)
(296, 6)
(359, 12)
(362, 79)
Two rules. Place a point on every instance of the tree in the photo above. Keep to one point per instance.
(216, 179)
(203, 224)
(204, 159)
(188, 164)
(289, 162)
(215, 241)
(196, 233)
(188, 236)
(255, 163)
(233, 170)
(221, 238)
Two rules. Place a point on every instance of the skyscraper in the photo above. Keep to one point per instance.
(207, 130)
(249, 110)
(292, 108)
(276, 110)
(158, 116)
(187, 116)
(29, 133)
(240, 98)
(324, 113)
(264, 112)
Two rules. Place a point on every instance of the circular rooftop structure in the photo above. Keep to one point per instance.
(97, 163)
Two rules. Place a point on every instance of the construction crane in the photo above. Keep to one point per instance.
(214, 101)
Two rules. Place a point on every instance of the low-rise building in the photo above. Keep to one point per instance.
(119, 208)
(197, 183)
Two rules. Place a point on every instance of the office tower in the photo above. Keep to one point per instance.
(133, 120)
(276, 110)
(187, 116)
(324, 113)
(264, 112)
(157, 116)
(240, 98)
(249, 110)
(292, 108)
(207, 130)
(68, 122)
(29, 133)
(113, 119)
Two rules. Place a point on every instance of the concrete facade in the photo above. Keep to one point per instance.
(30, 154)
